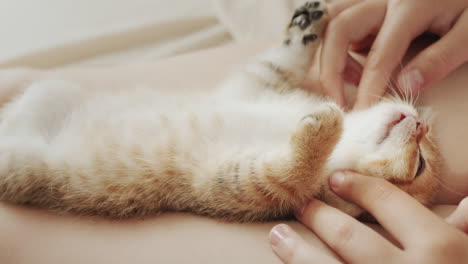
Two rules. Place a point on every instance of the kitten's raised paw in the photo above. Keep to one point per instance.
(320, 130)
(314, 141)
(328, 116)
(308, 23)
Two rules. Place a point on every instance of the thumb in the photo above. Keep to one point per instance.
(438, 60)
(459, 218)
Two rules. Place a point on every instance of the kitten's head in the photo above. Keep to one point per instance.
(392, 140)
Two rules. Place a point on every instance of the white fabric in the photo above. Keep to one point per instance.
(50, 33)
(248, 20)
(58, 33)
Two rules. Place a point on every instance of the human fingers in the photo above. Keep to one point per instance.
(459, 218)
(350, 26)
(351, 240)
(404, 20)
(395, 210)
(336, 7)
(353, 71)
(292, 249)
(364, 45)
(352, 74)
(438, 60)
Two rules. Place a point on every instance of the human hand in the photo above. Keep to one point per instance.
(422, 236)
(459, 218)
(395, 23)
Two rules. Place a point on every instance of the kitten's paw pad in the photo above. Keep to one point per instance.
(309, 19)
(306, 14)
(325, 123)
(310, 123)
(330, 115)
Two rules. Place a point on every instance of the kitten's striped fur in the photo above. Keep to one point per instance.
(253, 150)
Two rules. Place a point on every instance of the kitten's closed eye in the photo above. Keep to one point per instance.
(421, 166)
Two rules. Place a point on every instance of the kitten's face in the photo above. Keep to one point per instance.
(394, 141)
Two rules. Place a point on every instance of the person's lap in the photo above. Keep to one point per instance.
(40, 237)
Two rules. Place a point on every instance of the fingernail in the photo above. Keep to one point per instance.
(412, 81)
(278, 234)
(336, 180)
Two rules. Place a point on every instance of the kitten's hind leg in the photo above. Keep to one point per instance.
(267, 184)
(284, 67)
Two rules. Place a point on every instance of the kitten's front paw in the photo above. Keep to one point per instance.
(308, 22)
(326, 119)
(319, 132)
(312, 144)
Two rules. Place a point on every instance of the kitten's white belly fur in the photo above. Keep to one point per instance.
(72, 118)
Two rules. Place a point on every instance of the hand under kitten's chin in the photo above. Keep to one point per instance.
(391, 140)
(328, 196)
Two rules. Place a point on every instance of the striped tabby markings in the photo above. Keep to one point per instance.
(227, 181)
(258, 185)
(168, 156)
(118, 167)
(172, 167)
(237, 186)
(284, 190)
(113, 152)
(239, 191)
(99, 164)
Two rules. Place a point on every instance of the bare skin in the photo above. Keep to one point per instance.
(33, 236)
(419, 236)
(387, 27)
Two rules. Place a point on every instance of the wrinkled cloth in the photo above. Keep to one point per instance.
(248, 20)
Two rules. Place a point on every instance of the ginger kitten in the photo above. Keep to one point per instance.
(253, 150)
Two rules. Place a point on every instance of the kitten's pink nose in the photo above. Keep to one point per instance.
(421, 127)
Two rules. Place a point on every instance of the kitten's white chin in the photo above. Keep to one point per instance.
(365, 131)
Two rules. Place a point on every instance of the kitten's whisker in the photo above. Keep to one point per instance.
(398, 97)
(381, 97)
(388, 83)
(401, 89)
(404, 89)
(395, 94)
(418, 95)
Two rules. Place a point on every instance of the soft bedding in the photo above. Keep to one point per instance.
(52, 33)
(58, 33)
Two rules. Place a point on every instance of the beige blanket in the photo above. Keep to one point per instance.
(52, 33)
(249, 20)
(57, 33)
